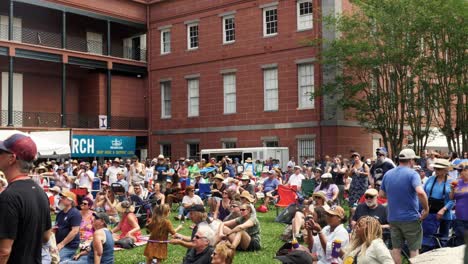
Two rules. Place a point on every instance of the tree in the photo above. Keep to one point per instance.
(387, 73)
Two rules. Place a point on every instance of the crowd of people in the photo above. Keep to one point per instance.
(100, 206)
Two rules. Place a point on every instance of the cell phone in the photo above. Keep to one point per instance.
(308, 217)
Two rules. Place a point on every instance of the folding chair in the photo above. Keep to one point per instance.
(287, 196)
(308, 187)
(204, 190)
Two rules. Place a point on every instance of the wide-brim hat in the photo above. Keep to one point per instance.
(161, 156)
(196, 174)
(265, 170)
(248, 160)
(219, 177)
(336, 210)
(441, 164)
(320, 195)
(116, 160)
(125, 207)
(246, 195)
(55, 189)
(69, 195)
(245, 177)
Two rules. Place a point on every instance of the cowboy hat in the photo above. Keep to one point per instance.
(219, 177)
(125, 207)
(246, 195)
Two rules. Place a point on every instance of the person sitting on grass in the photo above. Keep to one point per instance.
(223, 253)
(190, 199)
(202, 249)
(129, 224)
(243, 232)
(199, 217)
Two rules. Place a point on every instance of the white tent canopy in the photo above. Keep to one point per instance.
(49, 143)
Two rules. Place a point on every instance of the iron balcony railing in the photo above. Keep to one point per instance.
(54, 40)
(39, 119)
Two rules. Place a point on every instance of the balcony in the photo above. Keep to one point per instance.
(34, 119)
(42, 26)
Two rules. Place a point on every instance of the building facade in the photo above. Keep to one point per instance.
(237, 73)
(74, 65)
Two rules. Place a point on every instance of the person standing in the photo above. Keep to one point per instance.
(402, 186)
(24, 208)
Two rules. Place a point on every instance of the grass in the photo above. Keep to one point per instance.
(270, 233)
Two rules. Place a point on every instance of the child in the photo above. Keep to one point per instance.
(159, 227)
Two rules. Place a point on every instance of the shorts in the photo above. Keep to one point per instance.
(411, 232)
(254, 245)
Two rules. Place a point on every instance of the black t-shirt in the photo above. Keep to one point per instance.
(159, 169)
(203, 258)
(24, 217)
(65, 222)
(380, 212)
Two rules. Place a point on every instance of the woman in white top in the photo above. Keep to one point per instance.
(321, 241)
(366, 244)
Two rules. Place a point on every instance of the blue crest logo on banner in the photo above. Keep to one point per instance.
(102, 146)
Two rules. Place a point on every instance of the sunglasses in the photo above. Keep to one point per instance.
(463, 168)
(234, 206)
(242, 209)
(369, 197)
(198, 237)
(84, 203)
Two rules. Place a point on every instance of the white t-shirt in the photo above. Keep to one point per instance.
(111, 173)
(192, 200)
(339, 233)
(149, 174)
(84, 179)
(296, 179)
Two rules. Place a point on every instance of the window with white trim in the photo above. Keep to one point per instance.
(270, 85)
(305, 149)
(192, 36)
(193, 151)
(229, 85)
(193, 97)
(304, 15)
(271, 143)
(165, 41)
(165, 149)
(229, 29)
(166, 100)
(305, 85)
(270, 21)
(230, 144)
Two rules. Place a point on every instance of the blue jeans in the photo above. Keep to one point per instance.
(460, 227)
(183, 211)
(66, 253)
(81, 260)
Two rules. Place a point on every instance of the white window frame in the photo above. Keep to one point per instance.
(229, 93)
(17, 28)
(161, 149)
(188, 150)
(265, 10)
(301, 155)
(193, 93)
(165, 41)
(189, 46)
(305, 84)
(225, 30)
(226, 143)
(166, 99)
(300, 25)
(270, 89)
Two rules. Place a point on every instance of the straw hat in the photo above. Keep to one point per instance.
(441, 164)
(248, 159)
(219, 177)
(319, 195)
(245, 177)
(246, 195)
(125, 207)
(336, 210)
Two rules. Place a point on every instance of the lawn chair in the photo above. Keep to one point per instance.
(204, 190)
(287, 196)
(307, 187)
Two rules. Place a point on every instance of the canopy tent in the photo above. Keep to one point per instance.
(50, 144)
(437, 141)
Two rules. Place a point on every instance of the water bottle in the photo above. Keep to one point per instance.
(336, 247)
(294, 243)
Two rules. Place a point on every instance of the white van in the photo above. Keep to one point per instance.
(260, 153)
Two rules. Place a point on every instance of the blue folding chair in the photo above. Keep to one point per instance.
(204, 190)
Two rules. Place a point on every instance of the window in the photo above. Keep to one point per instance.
(304, 15)
(229, 82)
(271, 143)
(17, 28)
(270, 21)
(193, 97)
(94, 42)
(165, 41)
(305, 85)
(306, 149)
(135, 48)
(165, 99)
(193, 151)
(229, 29)
(192, 36)
(231, 144)
(165, 149)
(270, 84)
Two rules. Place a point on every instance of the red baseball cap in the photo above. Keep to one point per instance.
(21, 145)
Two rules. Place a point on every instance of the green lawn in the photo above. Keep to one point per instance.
(270, 232)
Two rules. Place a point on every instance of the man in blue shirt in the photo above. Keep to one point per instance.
(68, 226)
(402, 186)
(270, 186)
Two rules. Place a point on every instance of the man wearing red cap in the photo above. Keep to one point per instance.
(24, 207)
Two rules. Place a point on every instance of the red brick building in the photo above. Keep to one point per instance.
(178, 75)
(237, 73)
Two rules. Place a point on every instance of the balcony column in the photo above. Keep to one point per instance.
(10, 21)
(10, 92)
(63, 111)
(108, 38)
(64, 30)
(109, 98)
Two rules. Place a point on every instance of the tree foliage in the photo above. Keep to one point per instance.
(402, 65)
